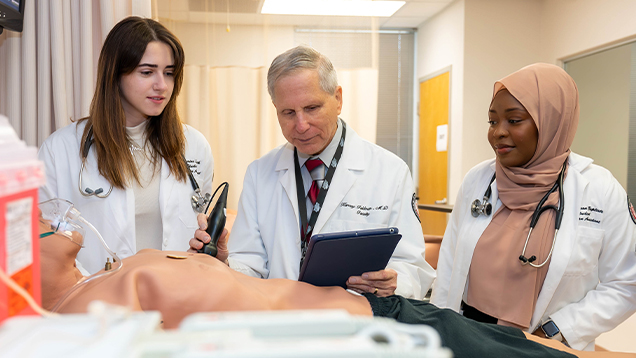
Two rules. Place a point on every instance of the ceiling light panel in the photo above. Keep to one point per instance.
(221, 6)
(331, 7)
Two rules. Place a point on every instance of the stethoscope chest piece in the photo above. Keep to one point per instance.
(477, 208)
(484, 206)
(200, 202)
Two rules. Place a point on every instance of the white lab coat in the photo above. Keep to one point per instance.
(114, 216)
(590, 286)
(265, 239)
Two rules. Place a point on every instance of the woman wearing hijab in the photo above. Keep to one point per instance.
(570, 284)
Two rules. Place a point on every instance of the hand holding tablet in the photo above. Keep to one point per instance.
(334, 257)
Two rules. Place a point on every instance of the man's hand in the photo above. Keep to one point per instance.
(381, 283)
(201, 238)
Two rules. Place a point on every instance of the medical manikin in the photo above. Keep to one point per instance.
(178, 284)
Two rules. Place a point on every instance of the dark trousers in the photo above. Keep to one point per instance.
(465, 337)
(477, 315)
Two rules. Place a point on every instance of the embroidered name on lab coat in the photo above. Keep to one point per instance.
(630, 208)
(590, 214)
(194, 164)
(363, 210)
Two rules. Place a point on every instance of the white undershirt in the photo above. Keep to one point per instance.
(148, 226)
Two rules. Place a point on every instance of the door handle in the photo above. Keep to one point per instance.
(443, 201)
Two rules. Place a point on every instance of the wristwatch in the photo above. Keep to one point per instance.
(552, 331)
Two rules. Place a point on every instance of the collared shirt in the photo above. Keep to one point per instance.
(326, 156)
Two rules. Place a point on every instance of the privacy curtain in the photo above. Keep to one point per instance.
(47, 72)
(231, 107)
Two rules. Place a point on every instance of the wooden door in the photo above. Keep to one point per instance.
(433, 163)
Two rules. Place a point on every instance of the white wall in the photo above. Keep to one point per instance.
(440, 44)
(482, 41)
(502, 36)
(576, 26)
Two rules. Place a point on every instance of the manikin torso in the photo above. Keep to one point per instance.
(177, 287)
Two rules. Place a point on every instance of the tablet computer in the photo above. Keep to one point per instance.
(334, 257)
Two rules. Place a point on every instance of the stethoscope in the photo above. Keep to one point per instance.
(199, 202)
(478, 208)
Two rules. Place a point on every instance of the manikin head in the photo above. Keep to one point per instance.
(61, 238)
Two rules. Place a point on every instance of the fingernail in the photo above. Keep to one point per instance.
(365, 276)
(353, 280)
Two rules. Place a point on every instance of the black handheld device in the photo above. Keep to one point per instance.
(216, 221)
(12, 15)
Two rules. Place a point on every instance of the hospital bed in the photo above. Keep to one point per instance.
(110, 331)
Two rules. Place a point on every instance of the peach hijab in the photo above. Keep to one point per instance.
(498, 284)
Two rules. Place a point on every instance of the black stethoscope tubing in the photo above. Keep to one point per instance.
(558, 185)
(199, 201)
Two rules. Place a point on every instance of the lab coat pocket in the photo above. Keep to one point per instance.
(187, 215)
(586, 250)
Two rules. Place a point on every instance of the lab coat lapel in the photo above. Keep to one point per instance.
(573, 187)
(287, 177)
(470, 234)
(352, 160)
(121, 217)
(166, 188)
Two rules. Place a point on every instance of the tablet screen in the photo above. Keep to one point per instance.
(334, 257)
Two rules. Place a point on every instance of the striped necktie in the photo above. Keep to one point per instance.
(314, 166)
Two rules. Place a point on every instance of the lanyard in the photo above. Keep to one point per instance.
(300, 192)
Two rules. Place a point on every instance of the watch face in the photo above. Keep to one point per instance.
(550, 329)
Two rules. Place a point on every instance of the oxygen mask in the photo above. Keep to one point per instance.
(61, 217)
